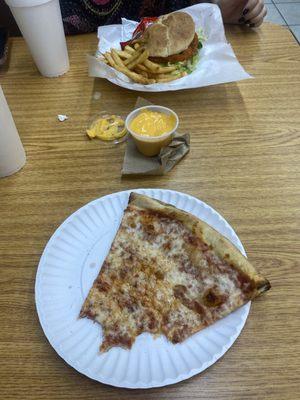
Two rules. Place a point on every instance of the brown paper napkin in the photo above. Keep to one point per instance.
(136, 163)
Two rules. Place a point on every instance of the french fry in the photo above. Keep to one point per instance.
(143, 68)
(135, 64)
(141, 71)
(110, 60)
(133, 57)
(135, 76)
(151, 65)
(156, 75)
(129, 49)
(102, 59)
(143, 57)
(165, 76)
(163, 70)
(123, 54)
(169, 78)
(116, 58)
(158, 69)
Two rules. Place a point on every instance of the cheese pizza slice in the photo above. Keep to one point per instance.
(167, 272)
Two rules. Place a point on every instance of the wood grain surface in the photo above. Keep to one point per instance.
(244, 161)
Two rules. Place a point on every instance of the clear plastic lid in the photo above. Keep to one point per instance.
(107, 127)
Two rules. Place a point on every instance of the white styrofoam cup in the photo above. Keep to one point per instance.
(40, 22)
(12, 153)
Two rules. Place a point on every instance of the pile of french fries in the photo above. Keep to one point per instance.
(134, 62)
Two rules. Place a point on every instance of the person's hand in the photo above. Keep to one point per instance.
(251, 12)
(254, 13)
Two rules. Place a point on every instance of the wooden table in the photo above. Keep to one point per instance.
(244, 161)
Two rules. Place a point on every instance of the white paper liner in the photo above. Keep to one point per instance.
(217, 64)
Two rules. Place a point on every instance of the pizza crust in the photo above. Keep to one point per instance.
(222, 246)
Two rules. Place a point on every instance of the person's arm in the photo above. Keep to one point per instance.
(251, 12)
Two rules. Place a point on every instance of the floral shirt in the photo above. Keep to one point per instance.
(81, 16)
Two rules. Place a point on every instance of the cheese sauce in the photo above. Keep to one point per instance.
(152, 123)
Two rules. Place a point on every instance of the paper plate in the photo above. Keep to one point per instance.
(70, 263)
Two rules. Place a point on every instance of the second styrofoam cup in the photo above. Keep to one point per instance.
(12, 153)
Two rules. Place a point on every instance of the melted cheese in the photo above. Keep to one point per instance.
(152, 123)
(150, 258)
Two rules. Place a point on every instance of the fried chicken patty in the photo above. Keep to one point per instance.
(184, 55)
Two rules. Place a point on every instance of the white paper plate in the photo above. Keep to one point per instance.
(70, 263)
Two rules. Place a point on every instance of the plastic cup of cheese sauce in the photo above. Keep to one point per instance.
(148, 144)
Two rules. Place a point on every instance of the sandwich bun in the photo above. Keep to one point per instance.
(170, 35)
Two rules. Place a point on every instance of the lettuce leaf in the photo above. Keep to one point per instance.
(190, 65)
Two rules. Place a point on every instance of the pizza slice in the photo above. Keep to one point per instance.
(169, 273)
